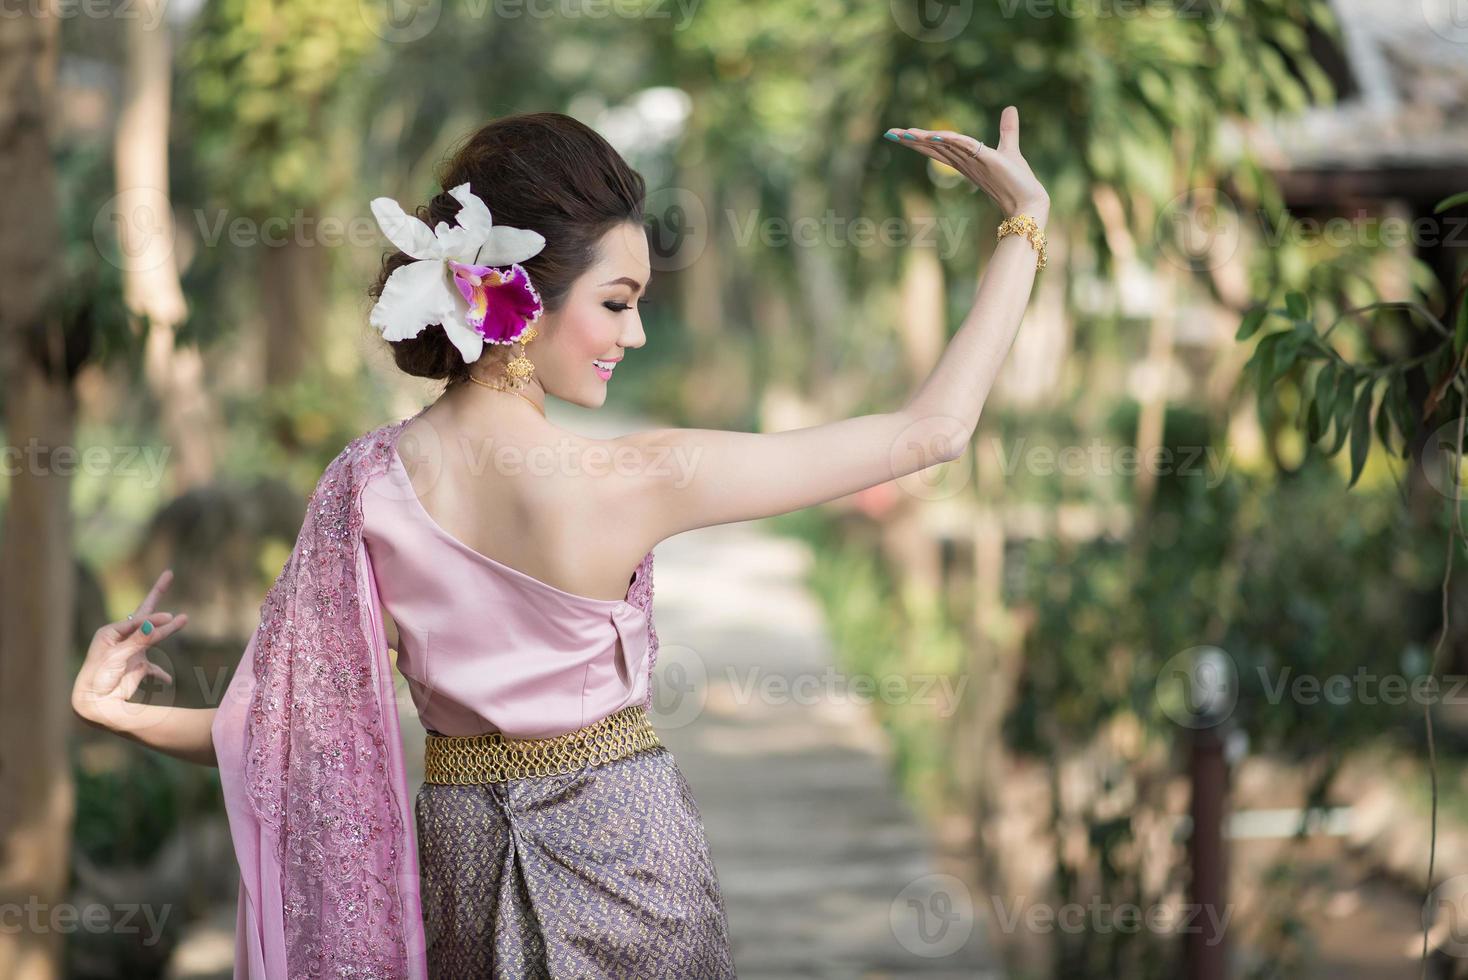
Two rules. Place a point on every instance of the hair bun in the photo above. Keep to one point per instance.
(544, 171)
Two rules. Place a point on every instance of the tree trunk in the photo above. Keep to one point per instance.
(151, 285)
(1153, 413)
(36, 572)
(293, 275)
(686, 241)
(911, 550)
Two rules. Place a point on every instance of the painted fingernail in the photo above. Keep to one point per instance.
(891, 136)
(909, 136)
(147, 627)
(938, 139)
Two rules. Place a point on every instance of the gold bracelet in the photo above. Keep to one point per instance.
(1023, 224)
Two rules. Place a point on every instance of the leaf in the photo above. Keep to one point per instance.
(1250, 324)
(1360, 432)
(1321, 401)
(1263, 359)
(1285, 353)
(1297, 305)
(1276, 353)
(1460, 329)
(1344, 387)
(1264, 370)
(1400, 406)
(1383, 419)
(1451, 202)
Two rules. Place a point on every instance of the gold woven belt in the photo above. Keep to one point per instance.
(491, 758)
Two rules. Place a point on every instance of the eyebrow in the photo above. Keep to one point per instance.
(636, 286)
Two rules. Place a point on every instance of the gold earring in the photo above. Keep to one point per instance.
(520, 368)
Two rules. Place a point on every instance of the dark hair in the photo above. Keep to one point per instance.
(541, 170)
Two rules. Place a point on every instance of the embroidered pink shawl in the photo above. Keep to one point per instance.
(311, 763)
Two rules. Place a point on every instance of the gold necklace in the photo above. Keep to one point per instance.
(511, 391)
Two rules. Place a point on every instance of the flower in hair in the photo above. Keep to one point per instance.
(468, 278)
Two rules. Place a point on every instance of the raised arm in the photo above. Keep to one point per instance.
(689, 478)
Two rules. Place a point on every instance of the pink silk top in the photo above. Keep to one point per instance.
(307, 738)
(485, 647)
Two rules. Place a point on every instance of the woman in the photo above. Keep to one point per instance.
(553, 835)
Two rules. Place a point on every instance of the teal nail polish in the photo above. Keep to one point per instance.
(147, 627)
(938, 139)
(891, 136)
(909, 136)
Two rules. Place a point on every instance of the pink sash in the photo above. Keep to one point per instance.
(311, 760)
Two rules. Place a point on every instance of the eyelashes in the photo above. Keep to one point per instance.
(620, 307)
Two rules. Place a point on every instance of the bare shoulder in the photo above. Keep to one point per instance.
(613, 483)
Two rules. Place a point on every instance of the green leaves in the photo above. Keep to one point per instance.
(1251, 323)
(1451, 202)
(1322, 400)
(1460, 328)
(1341, 408)
(1400, 406)
(1340, 401)
(1297, 306)
(1275, 355)
(1360, 432)
(1335, 401)
(1384, 420)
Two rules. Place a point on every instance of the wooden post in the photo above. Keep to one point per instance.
(1205, 953)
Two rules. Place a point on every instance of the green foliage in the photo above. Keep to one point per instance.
(1384, 400)
(1255, 566)
(799, 97)
(262, 77)
(89, 297)
(294, 431)
(124, 814)
(1350, 400)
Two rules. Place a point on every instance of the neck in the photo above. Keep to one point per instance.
(479, 398)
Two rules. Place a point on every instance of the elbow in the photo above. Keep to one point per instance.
(944, 439)
(936, 439)
(953, 443)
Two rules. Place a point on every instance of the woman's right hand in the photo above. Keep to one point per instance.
(999, 171)
(117, 660)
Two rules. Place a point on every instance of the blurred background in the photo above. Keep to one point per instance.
(1191, 587)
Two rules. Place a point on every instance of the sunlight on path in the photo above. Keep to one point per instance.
(813, 845)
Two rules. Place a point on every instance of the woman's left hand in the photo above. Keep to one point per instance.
(999, 171)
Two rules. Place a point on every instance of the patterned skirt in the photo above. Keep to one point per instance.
(600, 873)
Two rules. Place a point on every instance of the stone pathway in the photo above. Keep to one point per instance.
(822, 864)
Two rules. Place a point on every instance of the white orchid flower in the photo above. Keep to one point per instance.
(459, 278)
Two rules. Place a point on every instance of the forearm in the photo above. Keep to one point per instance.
(184, 733)
(955, 392)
